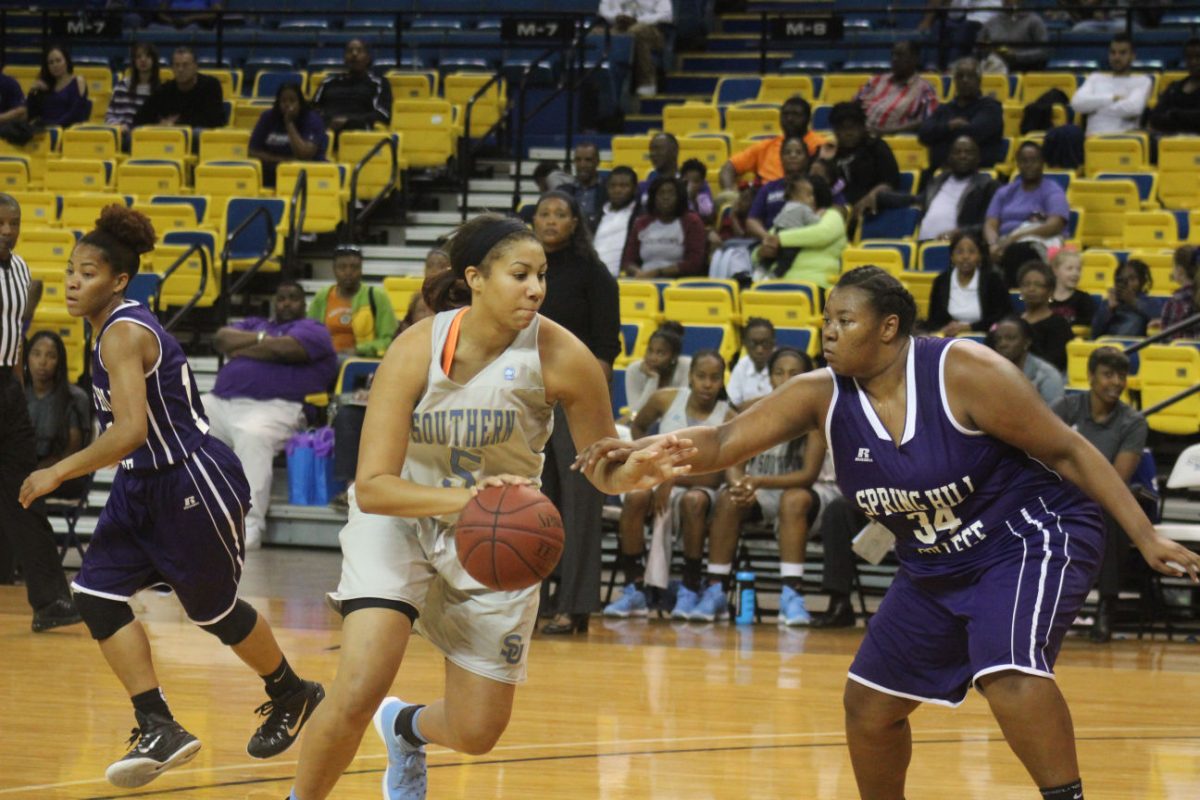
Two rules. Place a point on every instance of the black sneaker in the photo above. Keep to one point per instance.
(157, 745)
(59, 613)
(285, 718)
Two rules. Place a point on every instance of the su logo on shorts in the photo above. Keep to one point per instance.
(513, 648)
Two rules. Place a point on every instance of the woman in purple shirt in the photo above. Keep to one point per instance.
(288, 131)
(1026, 216)
(58, 96)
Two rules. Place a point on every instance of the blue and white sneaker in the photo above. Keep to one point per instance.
(713, 605)
(791, 608)
(631, 603)
(685, 603)
(405, 777)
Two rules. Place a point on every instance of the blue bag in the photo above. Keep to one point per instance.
(301, 464)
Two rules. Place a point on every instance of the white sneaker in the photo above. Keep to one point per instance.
(647, 90)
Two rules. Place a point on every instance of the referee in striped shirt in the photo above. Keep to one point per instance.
(26, 530)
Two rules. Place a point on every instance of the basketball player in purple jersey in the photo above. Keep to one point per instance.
(175, 515)
(949, 446)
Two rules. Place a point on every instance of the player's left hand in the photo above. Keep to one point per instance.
(39, 483)
(492, 481)
(1171, 558)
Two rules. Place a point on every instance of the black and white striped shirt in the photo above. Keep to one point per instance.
(14, 296)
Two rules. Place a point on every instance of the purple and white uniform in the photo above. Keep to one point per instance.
(997, 552)
(176, 511)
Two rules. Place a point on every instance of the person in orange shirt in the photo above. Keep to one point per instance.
(762, 158)
(359, 316)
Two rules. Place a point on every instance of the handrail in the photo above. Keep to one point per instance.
(1172, 400)
(353, 214)
(227, 291)
(1186, 322)
(300, 195)
(464, 145)
(195, 298)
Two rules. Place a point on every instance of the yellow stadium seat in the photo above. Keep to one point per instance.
(246, 113)
(1106, 203)
(1165, 371)
(744, 121)
(632, 150)
(230, 80)
(224, 144)
(459, 87)
(890, 260)
(46, 250)
(838, 88)
(430, 134)
(1162, 264)
(1098, 268)
(712, 151)
(325, 207)
(222, 180)
(149, 177)
(43, 147)
(998, 86)
(1113, 154)
(1150, 229)
(1036, 84)
(23, 74)
(182, 284)
(400, 290)
(703, 305)
(938, 82)
(99, 78)
(909, 152)
(80, 210)
(14, 174)
(378, 175)
(38, 209)
(161, 141)
(412, 85)
(1078, 351)
(70, 329)
(639, 300)
(100, 104)
(920, 286)
(778, 88)
(688, 118)
(78, 175)
(91, 141)
(169, 216)
(1179, 171)
(784, 309)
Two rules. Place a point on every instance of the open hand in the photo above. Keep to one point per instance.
(38, 484)
(1171, 558)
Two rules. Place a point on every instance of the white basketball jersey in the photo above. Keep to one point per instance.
(676, 417)
(497, 423)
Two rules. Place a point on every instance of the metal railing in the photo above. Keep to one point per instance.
(291, 246)
(353, 215)
(227, 290)
(1165, 333)
(196, 297)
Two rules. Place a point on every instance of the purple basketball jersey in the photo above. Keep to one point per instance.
(948, 494)
(176, 424)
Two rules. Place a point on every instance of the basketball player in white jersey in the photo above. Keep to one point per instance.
(462, 401)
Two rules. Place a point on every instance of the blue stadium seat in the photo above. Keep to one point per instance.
(892, 223)
(617, 393)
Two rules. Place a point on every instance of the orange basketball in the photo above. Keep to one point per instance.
(509, 537)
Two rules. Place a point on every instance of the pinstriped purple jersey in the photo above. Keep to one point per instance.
(947, 493)
(176, 424)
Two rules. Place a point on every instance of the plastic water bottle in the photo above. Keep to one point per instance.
(746, 598)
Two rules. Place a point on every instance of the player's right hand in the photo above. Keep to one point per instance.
(500, 480)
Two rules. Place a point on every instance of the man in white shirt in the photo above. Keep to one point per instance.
(750, 378)
(613, 228)
(1114, 101)
(640, 19)
(957, 197)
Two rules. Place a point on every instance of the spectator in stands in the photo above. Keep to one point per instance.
(61, 412)
(581, 295)
(1185, 301)
(1127, 310)
(969, 114)
(1051, 332)
(290, 130)
(14, 125)
(750, 378)
(548, 176)
(132, 91)
(900, 100)
(616, 218)
(58, 96)
(731, 242)
(358, 316)
(818, 247)
(189, 99)
(589, 185)
(1017, 37)
(957, 198)
(1119, 433)
(681, 503)
(199, 13)
(667, 241)
(1027, 216)
(664, 157)
(765, 158)
(641, 20)
(1114, 101)
(354, 100)
(700, 197)
(781, 487)
(1094, 16)
(663, 367)
(1178, 108)
(257, 402)
(771, 198)
(1075, 306)
(970, 296)
(1012, 338)
(864, 163)
(961, 25)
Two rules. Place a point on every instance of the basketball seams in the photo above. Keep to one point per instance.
(486, 521)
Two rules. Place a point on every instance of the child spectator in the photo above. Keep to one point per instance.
(1127, 310)
(663, 367)
(750, 379)
(1185, 301)
(699, 194)
(1075, 306)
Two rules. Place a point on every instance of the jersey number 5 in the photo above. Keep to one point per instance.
(943, 520)
(463, 464)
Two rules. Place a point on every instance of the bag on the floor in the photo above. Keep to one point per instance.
(310, 468)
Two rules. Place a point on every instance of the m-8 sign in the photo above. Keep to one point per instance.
(824, 27)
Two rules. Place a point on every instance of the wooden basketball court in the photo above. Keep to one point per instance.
(634, 710)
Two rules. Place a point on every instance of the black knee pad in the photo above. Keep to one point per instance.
(234, 626)
(102, 616)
